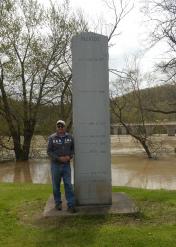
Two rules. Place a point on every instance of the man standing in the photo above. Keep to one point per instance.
(60, 150)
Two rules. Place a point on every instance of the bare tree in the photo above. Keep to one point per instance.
(36, 42)
(127, 108)
(118, 10)
(162, 15)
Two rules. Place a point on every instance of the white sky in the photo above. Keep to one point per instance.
(133, 37)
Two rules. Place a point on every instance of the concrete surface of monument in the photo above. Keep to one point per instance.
(91, 121)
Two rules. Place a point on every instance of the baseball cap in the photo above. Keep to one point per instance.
(60, 122)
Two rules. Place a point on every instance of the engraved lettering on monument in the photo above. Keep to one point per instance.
(91, 119)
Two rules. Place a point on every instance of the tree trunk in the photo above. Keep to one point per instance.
(22, 151)
(17, 147)
(27, 143)
(146, 149)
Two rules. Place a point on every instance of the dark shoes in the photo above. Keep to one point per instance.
(58, 206)
(71, 210)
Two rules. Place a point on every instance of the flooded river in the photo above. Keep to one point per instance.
(138, 171)
(133, 170)
(130, 167)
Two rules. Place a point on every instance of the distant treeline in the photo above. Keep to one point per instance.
(161, 97)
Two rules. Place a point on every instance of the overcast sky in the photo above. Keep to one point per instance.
(134, 33)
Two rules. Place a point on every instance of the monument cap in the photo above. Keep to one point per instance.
(60, 122)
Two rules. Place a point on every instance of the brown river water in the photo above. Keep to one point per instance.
(130, 166)
(127, 170)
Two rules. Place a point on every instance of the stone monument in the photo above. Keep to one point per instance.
(91, 122)
(92, 169)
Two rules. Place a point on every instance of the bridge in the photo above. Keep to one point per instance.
(150, 128)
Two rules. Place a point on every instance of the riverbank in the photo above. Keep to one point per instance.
(21, 223)
(125, 144)
(120, 145)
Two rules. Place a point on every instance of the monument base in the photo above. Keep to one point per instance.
(121, 204)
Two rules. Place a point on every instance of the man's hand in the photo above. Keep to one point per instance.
(65, 158)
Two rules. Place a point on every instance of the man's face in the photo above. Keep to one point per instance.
(60, 129)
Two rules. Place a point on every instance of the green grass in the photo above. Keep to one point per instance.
(21, 224)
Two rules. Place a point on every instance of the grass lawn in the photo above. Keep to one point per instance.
(21, 223)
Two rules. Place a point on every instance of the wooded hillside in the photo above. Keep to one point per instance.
(156, 98)
(160, 97)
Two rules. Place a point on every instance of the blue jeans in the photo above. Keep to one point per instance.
(59, 171)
